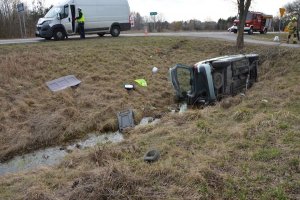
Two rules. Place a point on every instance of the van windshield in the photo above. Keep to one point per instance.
(53, 12)
(248, 17)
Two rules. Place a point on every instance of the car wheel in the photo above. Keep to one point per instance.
(235, 31)
(115, 31)
(218, 80)
(101, 34)
(59, 34)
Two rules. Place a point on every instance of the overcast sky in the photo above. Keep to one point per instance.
(177, 10)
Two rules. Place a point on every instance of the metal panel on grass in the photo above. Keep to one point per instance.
(125, 119)
(63, 83)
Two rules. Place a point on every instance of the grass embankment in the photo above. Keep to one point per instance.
(247, 151)
(270, 37)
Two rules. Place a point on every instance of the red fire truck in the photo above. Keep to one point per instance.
(255, 22)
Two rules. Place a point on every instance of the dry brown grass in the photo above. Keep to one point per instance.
(248, 150)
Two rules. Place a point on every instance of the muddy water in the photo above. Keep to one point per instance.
(53, 156)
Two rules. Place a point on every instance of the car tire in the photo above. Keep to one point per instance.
(235, 31)
(115, 31)
(218, 80)
(152, 156)
(59, 34)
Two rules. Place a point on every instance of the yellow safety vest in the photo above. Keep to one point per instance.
(292, 27)
(81, 20)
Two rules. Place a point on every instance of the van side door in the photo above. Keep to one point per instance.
(66, 20)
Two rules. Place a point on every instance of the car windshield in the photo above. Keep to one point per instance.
(181, 79)
(53, 12)
(184, 77)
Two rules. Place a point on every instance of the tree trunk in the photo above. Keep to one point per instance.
(243, 8)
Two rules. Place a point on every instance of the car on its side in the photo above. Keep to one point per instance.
(213, 79)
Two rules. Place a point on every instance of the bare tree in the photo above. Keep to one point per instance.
(243, 7)
(10, 22)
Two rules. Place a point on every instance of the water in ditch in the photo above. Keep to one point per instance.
(54, 155)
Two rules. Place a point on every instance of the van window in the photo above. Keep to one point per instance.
(249, 16)
(65, 13)
(53, 12)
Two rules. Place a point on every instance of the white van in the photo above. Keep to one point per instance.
(101, 17)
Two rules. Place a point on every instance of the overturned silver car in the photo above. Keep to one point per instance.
(211, 80)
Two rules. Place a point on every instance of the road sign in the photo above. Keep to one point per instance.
(282, 11)
(20, 7)
(153, 13)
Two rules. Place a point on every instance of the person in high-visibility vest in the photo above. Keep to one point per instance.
(292, 28)
(80, 21)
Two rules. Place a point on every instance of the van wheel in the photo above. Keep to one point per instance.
(101, 34)
(265, 31)
(59, 34)
(115, 31)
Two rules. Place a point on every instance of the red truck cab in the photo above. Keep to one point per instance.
(255, 22)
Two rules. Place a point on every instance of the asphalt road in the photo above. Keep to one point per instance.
(216, 35)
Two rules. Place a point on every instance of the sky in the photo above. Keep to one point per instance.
(203, 10)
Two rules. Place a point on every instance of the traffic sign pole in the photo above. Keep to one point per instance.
(153, 14)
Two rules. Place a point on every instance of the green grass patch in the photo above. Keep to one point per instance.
(267, 154)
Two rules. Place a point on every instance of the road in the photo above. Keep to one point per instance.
(215, 35)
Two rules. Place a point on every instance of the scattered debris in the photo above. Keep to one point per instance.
(129, 86)
(183, 108)
(276, 39)
(152, 156)
(125, 119)
(63, 83)
(265, 100)
(154, 70)
(141, 82)
(146, 120)
(45, 156)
